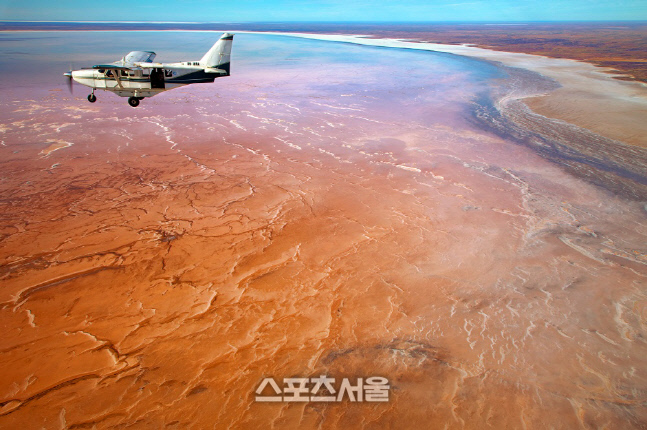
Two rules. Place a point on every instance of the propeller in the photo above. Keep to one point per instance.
(70, 87)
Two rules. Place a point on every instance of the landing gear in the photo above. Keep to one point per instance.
(133, 101)
(92, 98)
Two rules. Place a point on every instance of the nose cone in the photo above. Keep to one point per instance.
(83, 77)
(83, 74)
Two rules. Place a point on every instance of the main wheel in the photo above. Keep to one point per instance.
(133, 101)
(92, 98)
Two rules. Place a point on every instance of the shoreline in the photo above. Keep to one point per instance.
(589, 97)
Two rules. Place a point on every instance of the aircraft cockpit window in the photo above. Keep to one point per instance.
(138, 57)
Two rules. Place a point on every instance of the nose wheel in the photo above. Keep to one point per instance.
(92, 98)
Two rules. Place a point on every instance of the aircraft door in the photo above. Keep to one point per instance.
(157, 78)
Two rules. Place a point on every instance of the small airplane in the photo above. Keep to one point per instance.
(136, 76)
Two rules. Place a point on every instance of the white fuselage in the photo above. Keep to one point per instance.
(144, 82)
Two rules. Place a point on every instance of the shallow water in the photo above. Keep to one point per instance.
(329, 209)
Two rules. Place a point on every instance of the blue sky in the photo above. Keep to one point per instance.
(325, 10)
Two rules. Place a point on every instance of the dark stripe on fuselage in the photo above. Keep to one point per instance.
(225, 67)
(196, 77)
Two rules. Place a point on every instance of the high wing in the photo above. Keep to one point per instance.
(178, 66)
(133, 59)
(111, 67)
(149, 65)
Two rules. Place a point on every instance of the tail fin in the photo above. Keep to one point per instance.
(219, 56)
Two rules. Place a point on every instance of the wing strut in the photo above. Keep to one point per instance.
(116, 72)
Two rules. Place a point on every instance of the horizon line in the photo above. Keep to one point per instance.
(319, 22)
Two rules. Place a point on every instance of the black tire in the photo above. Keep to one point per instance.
(92, 98)
(133, 101)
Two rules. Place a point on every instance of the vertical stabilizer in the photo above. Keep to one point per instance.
(219, 56)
